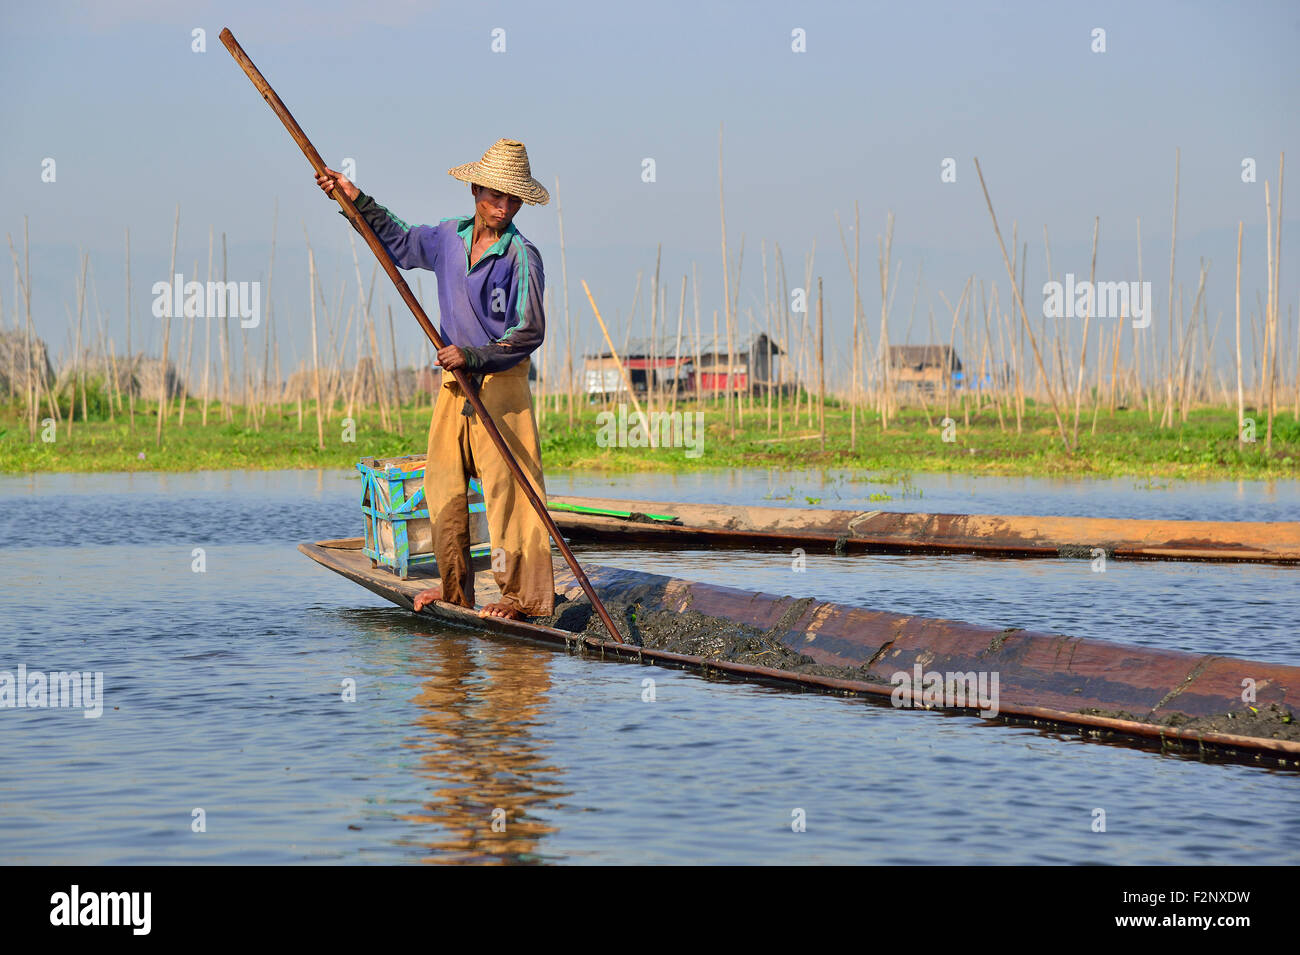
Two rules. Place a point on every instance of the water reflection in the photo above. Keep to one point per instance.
(479, 709)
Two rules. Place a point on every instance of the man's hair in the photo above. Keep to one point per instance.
(476, 185)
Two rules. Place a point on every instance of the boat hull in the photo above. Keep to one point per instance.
(1103, 689)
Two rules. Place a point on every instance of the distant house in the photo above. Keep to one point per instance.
(648, 364)
(924, 366)
(752, 365)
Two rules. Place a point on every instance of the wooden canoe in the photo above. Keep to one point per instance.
(994, 535)
(1103, 690)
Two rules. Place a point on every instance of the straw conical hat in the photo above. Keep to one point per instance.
(505, 168)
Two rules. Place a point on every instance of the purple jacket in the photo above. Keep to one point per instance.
(493, 311)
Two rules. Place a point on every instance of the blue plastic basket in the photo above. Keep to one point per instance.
(398, 533)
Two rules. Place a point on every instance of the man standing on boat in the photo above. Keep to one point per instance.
(490, 286)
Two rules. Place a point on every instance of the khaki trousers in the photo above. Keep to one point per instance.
(460, 448)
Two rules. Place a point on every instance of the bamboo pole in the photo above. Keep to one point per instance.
(696, 358)
(733, 325)
(245, 372)
(33, 388)
(1275, 284)
(1020, 302)
(1184, 359)
(783, 295)
(130, 356)
(1169, 352)
(189, 354)
(112, 356)
(651, 352)
(886, 399)
(227, 413)
(726, 286)
(767, 324)
(717, 391)
(167, 327)
(376, 370)
(731, 385)
(365, 324)
(279, 379)
(952, 346)
(988, 341)
(539, 396)
(821, 367)
(618, 363)
(1114, 364)
(970, 350)
(677, 354)
(1269, 345)
(315, 353)
(103, 351)
(1101, 361)
(397, 389)
(207, 340)
(806, 338)
(568, 322)
(1295, 411)
(79, 368)
(1083, 348)
(857, 309)
(12, 362)
(266, 332)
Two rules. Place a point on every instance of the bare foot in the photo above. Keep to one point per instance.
(505, 610)
(426, 597)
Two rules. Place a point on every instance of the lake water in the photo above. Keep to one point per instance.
(223, 692)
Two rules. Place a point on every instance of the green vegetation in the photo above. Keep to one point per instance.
(1125, 443)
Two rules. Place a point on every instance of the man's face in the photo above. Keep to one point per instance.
(497, 209)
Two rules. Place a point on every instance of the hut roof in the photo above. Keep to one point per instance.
(920, 357)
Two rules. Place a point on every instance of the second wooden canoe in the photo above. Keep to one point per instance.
(994, 535)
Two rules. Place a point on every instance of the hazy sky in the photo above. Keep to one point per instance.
(137, 122)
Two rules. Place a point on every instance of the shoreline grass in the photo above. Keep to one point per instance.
(1126, 444)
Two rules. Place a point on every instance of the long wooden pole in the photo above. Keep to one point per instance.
(404, 290)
